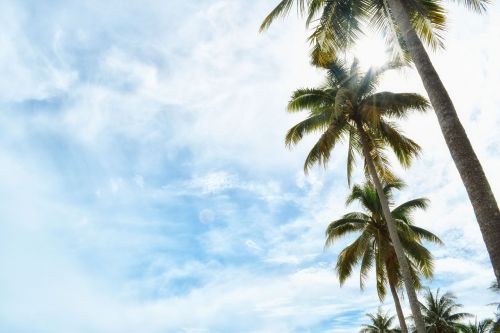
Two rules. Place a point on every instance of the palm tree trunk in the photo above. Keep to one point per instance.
(399, 310)
(396, 243)
(470, 169)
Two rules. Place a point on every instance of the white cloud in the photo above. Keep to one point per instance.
(214, 182)
(175, 120)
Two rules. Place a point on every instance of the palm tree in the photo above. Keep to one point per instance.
(373, 245)
(440, 314)
(484, 326)
(347, 107)
(406, 23)
(496, 323)
(495, 326)
(380, 323)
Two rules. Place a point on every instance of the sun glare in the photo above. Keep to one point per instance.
(371, 51)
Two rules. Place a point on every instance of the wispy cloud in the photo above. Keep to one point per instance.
(145, 185)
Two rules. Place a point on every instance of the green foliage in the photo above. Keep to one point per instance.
(496, 324)
(373, 246)
(336, 25)
(347, 101)
(484, 326)
(440, 313)
(379, 323)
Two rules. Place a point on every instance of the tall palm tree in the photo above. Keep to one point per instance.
(348, 107)
(484, 326)
(440, 313)
(380, 323)
(407, 23)
(373, 245)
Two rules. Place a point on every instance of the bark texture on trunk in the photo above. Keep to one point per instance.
(396, 243)
(470, 169)
(399, 310)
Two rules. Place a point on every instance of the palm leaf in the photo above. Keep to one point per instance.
(281, 10)
(341, 227)
(429, 22)
(404, 148)
(320, 153)
(314, 123)
(352, 146)
(314, 8)
(402, 211)
(478, 6)
(382, 20)
(350, 256)
(396, 104)
(366, 265)
(338, 74)
(307, 98)
(338, 27)
(423, 234)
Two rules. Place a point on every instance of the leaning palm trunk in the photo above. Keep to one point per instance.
(470, 170)
(399, 310)
(391, 226)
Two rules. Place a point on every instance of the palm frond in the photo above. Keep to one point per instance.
(396, 184)
(315, 7)
(404, 148)
(460, 316)
(396, 105)
(313, 123)
(342, 227)
(352, 146)
(320, 153)
(380, 160)
(367, 196)
(339, 26)
(357, 215)
(282, 10)
(440, 311)
(321, 55)
(478, 6)
(338, 73)
(310, 98)
(380, 322)
(418, 254)
(382, 20)
(367, 84)
(380, 270)
(372, 77)
(402, 211)
(423, 234)
(366, 265)
(350, 256)
(429, 22)
(415, 274)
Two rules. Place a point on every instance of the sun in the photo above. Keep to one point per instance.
(371, 51)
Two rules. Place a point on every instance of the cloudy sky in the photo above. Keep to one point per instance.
(145, 186)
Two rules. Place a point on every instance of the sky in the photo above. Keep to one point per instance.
(145, 186)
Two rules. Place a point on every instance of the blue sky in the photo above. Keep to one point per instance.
(145, 186)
